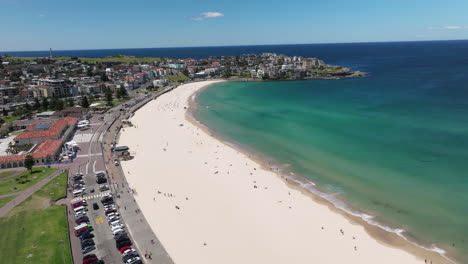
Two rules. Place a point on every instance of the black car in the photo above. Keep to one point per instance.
(99, 261)
(101, 179)
(125, 243)
(87, 242)
(107, 200)
(120, 235)
(122, 238)
(95, 206)
(86, 236)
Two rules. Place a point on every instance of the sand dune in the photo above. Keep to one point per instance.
(209, 203)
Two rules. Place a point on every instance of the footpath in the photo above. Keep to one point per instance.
(26, 193)
(139, 229)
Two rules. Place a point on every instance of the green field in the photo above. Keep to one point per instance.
(178, 78)
(115, 58)
(36, 236)
(8, 119)
(6, 174)
(24, 181)
(35, 232)
(55, 189)
(5, 200)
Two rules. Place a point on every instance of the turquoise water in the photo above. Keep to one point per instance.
(394, 151)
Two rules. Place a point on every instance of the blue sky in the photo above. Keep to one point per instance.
(101, 24)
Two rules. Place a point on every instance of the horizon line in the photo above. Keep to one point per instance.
(242, 45)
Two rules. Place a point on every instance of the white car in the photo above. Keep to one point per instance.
(115, 227)
(128, 251)
(112, 219)
(113, 214)
(116, 222)
(115, 231)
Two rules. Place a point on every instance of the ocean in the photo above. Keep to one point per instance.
(391, 147)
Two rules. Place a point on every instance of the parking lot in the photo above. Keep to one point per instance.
(98, 201)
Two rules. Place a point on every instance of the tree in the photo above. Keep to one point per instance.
(53, 103)
(29, 162)
(70, 102)
(5, 112)
(123, 92)
(45, 103)
(109, 97)
(89, 71)
(60, 105)
(104, 77)
(84, 102)
(37, 104)
(117, 94)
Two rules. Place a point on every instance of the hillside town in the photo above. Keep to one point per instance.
(45, 97)
(27, 79)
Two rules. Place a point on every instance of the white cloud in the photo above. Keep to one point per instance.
(448, 27)
(41, 15)
(206, 15)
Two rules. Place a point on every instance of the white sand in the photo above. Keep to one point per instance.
(239, 223)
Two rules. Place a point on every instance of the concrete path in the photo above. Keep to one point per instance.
(17, 172)
(142, 234)
(26, 193)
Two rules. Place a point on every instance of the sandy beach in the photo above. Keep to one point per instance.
(209, 203)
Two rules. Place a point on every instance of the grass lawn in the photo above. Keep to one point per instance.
(6, 174)
(115, 58)
(178, 78)
(5, 200)
(55, 189)
(36, 236)
(25, 180)
(35, 232)
(9, 119)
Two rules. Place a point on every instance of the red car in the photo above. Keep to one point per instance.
(90, 260)
(124, 248)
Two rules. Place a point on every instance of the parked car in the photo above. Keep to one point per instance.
(124, 249)
(89, 256)
(87, 242)
(86, 235)
(125, 243)
(88, 249)
(108, 212)
(110, 206)
(90, 260)
(83, 219)
(112, 219)
(135, 260)
(117, 226)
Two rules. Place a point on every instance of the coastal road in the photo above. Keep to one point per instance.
(95, 155)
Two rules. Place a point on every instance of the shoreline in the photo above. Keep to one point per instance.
(384, 234)
(383, 238)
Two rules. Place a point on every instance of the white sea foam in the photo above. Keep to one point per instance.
(370, 219)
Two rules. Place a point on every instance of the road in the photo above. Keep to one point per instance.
(95, 155)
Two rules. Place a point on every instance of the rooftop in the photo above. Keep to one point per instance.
(47, 129)
(47, 148)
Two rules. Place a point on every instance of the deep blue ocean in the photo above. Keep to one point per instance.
(393, 144)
